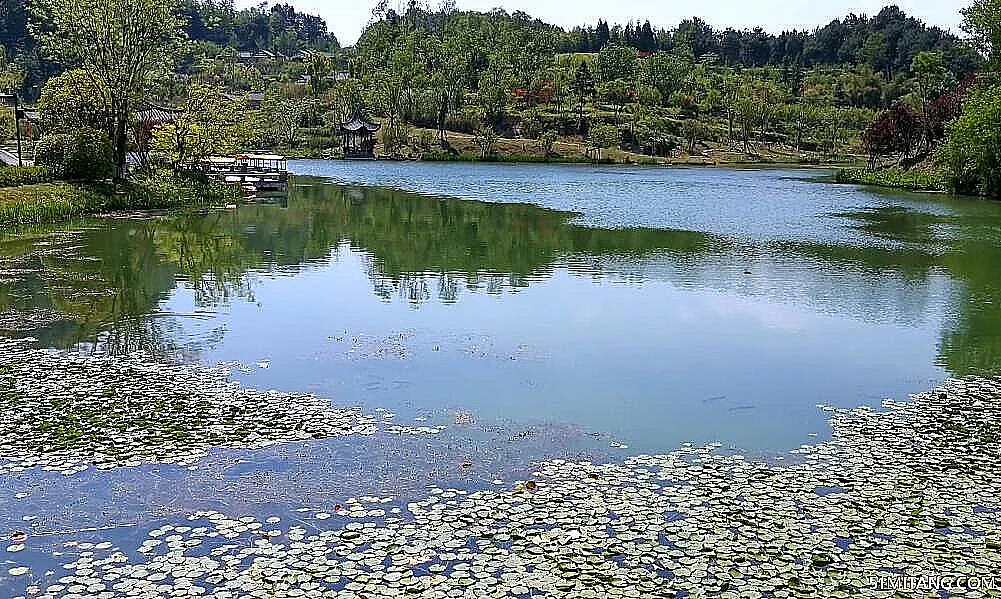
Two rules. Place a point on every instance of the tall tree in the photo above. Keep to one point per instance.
(933, 80)
(118, 44)
(583, 87)
(982, 21)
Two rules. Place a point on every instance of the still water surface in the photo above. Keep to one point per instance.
(646, 306)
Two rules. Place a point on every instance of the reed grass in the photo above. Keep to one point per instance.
(48, 202)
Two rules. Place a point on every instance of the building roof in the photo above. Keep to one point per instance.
(260, 157)
(151, 113)
(358, 122)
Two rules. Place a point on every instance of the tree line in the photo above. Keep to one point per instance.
(426, 72)
(949, 124)
(886, 43)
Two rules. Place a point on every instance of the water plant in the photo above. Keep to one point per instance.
(894, 177)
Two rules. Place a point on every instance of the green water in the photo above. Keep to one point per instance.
(648, 306)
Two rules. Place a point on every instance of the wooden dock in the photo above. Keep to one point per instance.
(252, 172)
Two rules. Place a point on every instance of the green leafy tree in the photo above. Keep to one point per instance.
(601, 136)
(547, 140)
(210, 123)
(616, 62)
(618, 93)
(972, 151)
(71, 101)
(118, 44)
(448, 72)
(283, 117)
(493, 94)
(319, 68)
(583, 87)
(346, 98)
(85, 154)
(982, 21)
(933, 79)
(485, 139)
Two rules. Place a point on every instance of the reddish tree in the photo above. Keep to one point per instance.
(895, 131)
(947, 107)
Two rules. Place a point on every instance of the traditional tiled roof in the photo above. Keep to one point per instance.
(153, 114)
(358, 122)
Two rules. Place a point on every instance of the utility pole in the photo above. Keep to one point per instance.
(18, 113)
(17, 128)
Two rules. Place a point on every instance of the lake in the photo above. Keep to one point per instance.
(640, 308)
(487, 321)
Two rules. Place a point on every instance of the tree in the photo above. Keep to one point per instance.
(210, 123)
(982, 21)
(282, 118)
(602, 136)
(603, 34)
(85, 154)
(618, 93)
(72, 101)
(583, 87)
(118, 44)
(319, 67)
(493, 94)
(933, 79)
(666, 72)
(547, 140)
(485, 139)
(616, 62)
(7, 124)
(346, 98)
(893, 131)
(973, 149)
(448, 70)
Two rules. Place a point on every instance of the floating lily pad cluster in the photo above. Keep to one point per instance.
(65, 411)
(914, 490)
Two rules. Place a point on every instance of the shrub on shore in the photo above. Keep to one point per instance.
(446, 157)
(895, 177)
(14, 176)
(85, 155)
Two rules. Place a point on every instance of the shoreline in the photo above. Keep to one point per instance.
(54, 201)
(916, 484)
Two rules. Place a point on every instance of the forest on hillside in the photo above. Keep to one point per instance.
(445, 83)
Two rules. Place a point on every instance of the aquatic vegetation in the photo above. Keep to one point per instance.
(906, 492)
(74, 411)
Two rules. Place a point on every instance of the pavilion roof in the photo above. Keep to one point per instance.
(358, 122)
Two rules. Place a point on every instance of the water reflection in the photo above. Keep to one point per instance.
(102, 282)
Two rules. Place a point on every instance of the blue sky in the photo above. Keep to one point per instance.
(346, 18)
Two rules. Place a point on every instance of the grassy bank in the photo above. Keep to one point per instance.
(14, 176)
(46, 202)
(896, 178)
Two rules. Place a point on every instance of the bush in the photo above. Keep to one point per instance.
(15, 176)
(85, 155)
(894, 177)
(50, 153)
